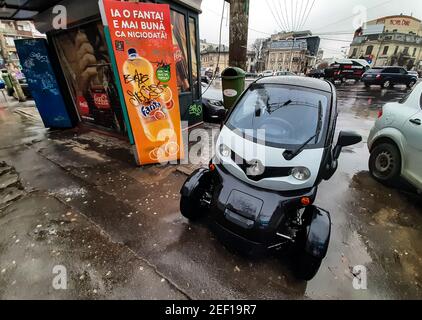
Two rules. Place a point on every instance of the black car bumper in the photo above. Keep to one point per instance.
(213, 112)
(248, 218)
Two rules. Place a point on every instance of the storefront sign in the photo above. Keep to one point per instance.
(141, 35)
(400, 22)
(100, 99)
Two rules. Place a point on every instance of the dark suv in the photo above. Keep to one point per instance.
(388, 77)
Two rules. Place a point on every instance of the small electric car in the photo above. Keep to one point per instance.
(274, 148)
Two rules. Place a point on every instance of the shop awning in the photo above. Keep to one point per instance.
(24, 9)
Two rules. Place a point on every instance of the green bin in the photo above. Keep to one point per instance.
(233, 80)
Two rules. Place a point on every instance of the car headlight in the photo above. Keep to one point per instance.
(225, 150)
(301, 173)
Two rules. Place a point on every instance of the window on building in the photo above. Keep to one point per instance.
(369, 50)
(406, 50)
(10, 41)
(355, 50)
(414, 52)
(192, 35)
(384, 52)
(180, 50)
(396, 50)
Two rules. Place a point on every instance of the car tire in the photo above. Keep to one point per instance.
(387, 84)
(307, 266)
(411, 84)
(385, 163)
(190, 208)
(367, 85)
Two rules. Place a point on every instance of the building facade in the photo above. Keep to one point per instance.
(290, 51)
(10, 31)
(391, 40)
(211, 56)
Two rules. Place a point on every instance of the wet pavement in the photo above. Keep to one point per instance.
(82, 203)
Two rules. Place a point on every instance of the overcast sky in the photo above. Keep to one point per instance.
(329, 19)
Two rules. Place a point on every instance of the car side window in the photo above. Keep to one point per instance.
(402, 71)
(387, 70)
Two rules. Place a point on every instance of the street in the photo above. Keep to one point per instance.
(75, 198)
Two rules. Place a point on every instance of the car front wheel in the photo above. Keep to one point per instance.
(411, 84)
(386, 84)
(385, 163)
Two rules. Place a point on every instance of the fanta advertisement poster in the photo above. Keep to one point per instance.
(141, 35)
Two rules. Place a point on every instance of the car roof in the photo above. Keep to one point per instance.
(311, 83)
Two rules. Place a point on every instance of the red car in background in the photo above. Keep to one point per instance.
(346, 69)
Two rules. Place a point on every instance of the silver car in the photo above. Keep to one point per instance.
(395, 141)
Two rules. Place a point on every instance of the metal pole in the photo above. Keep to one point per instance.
(239, 19)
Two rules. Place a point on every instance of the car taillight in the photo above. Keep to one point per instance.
(379, 113)
(378, 76)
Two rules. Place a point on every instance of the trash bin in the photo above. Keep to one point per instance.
(233, 80)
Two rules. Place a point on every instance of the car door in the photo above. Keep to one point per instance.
(394, 75)
(412, 131)
(403, 76)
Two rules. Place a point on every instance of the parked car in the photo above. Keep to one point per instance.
(344, 69)
(388, 77)
(395, 141)
(205, 79)
(267, 73)
(316, 73)
(414, 73)
(284, 73)
(251, 75)
(206, 72)
(212, 103)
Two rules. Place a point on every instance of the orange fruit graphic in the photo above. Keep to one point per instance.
(166, 95)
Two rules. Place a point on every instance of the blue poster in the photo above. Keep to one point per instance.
(42, 82)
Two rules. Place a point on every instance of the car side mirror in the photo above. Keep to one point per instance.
(345, 138)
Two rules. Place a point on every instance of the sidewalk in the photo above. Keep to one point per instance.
(49, 187)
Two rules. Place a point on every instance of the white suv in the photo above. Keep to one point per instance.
(395, 141)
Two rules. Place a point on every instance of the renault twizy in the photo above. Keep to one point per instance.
(274, 148)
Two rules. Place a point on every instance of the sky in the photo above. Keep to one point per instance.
(333, 21)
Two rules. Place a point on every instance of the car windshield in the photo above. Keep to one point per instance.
(289, 115)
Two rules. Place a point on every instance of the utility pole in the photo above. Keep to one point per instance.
(239, 19)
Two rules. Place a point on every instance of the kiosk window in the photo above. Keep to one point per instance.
(180, 50)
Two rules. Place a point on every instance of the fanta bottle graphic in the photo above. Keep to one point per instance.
(139, 71)
(151, 108)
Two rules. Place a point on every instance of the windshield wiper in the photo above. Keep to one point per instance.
(290, 154)
(279, 104)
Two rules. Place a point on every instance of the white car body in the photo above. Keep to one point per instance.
(268, 73)
(271, 157)
(399, 125)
